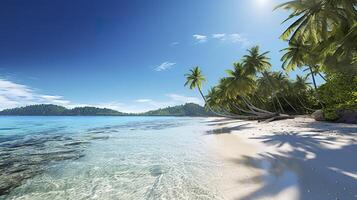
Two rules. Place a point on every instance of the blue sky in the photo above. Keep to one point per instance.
(126, 55)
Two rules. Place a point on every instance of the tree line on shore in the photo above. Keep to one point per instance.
(188, 109)
(321, 41)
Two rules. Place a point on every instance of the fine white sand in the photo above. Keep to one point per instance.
(289, 159)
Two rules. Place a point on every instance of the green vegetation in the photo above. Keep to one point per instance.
(322, 41)
(189, 109)
(323, 38)
(252, 91)
(54, 110)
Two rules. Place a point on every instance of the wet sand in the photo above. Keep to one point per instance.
(290, 159)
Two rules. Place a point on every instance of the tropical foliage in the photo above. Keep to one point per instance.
(189, 109)
(54, 110)
(251, 90)
(321, 41)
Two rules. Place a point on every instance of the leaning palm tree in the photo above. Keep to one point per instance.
(329, 26)
(266, 83)
(195, 79)
(301, 88)
(241, 84)
(299, 55)
(238, 82)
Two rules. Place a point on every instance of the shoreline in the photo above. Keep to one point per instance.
(289, 159)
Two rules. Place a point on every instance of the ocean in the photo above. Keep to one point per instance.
(106, 158)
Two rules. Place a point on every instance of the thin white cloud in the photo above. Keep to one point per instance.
(220, 36)
(172, 100)
(15, 95)
(175, 43)
(164, 66)
(143, 100)
(232, 38)
(237, 38)
(200, 38)
(184, 99)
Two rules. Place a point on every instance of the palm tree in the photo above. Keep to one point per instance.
(282, 87)
(301, 87)
(238, 82)
(195, 79)
(311, 23)
(298, 55)
(268, 85)
(329, 26)
(294, 56)
(255, 62)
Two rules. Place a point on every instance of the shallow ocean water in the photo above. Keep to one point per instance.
(105, 158)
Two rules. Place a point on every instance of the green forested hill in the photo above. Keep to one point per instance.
(188, 109)
(54, 110)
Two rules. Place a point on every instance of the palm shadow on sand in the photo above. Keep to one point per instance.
(227, 130)
(329, 174)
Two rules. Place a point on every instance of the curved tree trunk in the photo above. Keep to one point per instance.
(289, 104)
(245, 111)
(252, 107)
(281, 107)
(241, 117)
(315, 86)
(303, 105)
(313, 77)
(209, 107)
(322, 76)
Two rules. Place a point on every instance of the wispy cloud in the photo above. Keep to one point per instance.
(227, 37)
(174, 43)
(147, 104)
(184, 99)
(164, 66)
(200, 38)
(14, 95)
(233, 38)
(143, 100)
(220, 36)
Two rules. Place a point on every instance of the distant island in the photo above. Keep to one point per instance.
(188, 109)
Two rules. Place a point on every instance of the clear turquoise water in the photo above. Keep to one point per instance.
(105, 158)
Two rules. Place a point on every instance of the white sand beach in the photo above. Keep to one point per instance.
(289, 159)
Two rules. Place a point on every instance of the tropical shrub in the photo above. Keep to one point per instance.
(339, 93)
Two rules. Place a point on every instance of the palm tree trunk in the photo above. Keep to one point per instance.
(313, 78)
(315, 86)
(277, 99)
(303, 105)
(322, 76)
(289, 104)
(252, 107)
(209, 107)
(272, 100)
(261, 101)
(246, 111)
(240, 109)
(241, 117)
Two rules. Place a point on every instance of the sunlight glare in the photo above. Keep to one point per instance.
(262, 3)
